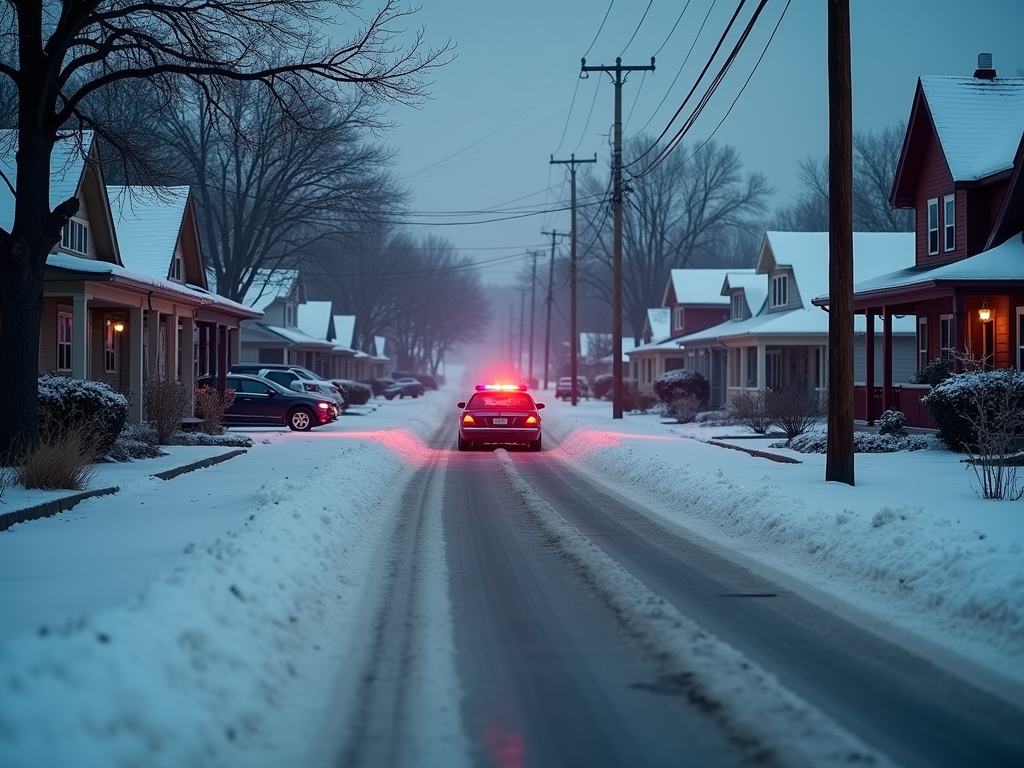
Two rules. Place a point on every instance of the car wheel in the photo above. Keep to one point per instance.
(464, 445)
(535, 444)
(300, 420)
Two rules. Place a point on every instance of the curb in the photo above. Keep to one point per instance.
(760, 454)
(64, 503)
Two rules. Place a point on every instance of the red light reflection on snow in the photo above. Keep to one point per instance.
(506, 748)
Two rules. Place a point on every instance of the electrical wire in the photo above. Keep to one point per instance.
(590, 114)
(637, 30)
(643, 79)
(599, 29)
(572, 103)
(673, 30)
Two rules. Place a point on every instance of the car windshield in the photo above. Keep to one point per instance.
(506, 400)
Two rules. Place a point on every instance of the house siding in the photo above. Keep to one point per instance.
(699, 318)
(48, 334)
(904, 362)
(935, 181)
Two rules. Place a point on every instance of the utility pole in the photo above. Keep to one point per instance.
(617, 78)
(551, 297)
(511, 325)
(533, 309)
(574, 341)
(839, 463)
(522, 316)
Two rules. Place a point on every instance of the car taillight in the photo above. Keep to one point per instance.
(530, 420)
(467, 419)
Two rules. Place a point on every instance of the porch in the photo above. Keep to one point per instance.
(869, 403)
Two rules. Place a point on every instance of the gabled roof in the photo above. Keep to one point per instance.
(378, 347)
(1010, 217)
(754, 287)
(344, 329)
(807, 253)
(659, 319)
(148, 222)
(698, 286)
(295, 336)
(271, 285)
(314, 319)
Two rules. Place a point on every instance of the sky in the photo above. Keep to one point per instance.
(512, 98)
(149, 627)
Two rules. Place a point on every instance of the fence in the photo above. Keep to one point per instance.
(905, 397)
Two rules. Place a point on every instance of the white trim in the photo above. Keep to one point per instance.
(736, 306)
(951, 341)
(932, 226)
(75, 236)
(780, 291)
(948, 223)
(65, 340)
(678, 318)
(922, 343)
(177, 268)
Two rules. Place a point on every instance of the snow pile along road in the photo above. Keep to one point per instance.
(204, 667)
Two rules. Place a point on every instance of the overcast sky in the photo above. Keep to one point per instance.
(513, 97)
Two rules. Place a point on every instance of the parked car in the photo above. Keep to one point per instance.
(262, 402)
(500, 414)
(563, 389)
(293, 377)
(408, 387)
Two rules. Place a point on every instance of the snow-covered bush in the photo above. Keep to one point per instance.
(602, 386)
(794, 410)
(971, 401)
(67, 405)
(201, 438)
(937, 371)
(683, 409)
(892, 422)
(635, 400)
(136, 441)
(166, 402)
(751, 410)
(863, 442)
(682, 383)
(356, 393)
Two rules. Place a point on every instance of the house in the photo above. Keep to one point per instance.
(316, 319)
(276, 337)
(693, 302)
(111, 312)
(775, 337)
(596, 354)
(961, 169)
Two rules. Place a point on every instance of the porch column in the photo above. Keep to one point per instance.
(869, 366)
(222, 355)
(743, 368)
(761, 366)
(80, 337)
(204, 353)
(959, 332)
(188, 360)
(153, 344)
(136, 350)
(235, 346)
(887, 401)
(171, 353)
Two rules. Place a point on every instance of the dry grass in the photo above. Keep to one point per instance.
(61, 461)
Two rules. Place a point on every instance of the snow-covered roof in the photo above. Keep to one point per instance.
(378, 347)
(148, 222)
(198, 295)
(314, 319)
(1004, 262)
(979, 122)
(295, 336)
(344, 328)
(755, 289)
(701, 286)
(807, 253)
(654, 346)
(660, 321)
(270, 285)
(67, 162)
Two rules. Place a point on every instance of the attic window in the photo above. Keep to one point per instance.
(289, 315)
(75, 236)
(933, 226)
(677, 319)
(176, 269)
(780, 291)
(949, 222)
(737, 306)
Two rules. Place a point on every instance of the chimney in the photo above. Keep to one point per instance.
(984, 70)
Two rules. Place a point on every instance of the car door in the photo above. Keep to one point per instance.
(260, 403)
(235, 414)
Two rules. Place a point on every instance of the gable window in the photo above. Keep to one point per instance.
(933, 226)
(677, 319)
(922, 343)
(949, 222)
(108, 347)
(737, 306)
(176, 269)
(289, 315)
(75, 236)
(946, 342)
(64, 325)
(780, 291)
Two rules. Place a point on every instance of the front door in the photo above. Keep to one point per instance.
(773, 369)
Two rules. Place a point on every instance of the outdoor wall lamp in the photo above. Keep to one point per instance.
(118, 326)
(984, 314)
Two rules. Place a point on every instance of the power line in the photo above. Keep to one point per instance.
(600, 28)
(590, 114)
(673, 30)
(635, 31)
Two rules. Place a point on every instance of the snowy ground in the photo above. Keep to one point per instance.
(188, 622)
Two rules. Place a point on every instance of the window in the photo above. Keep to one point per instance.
(734, 367)
(737, 306)
(176, 269)
(108, 347)
(922, 343)
(933, 226)
(819, 368)
(75, 236)
(289, 315)
(751, 366)
(780, 291)
(64, 326)
(773, 369)
(949, 222)
(677, 319)
(946, 337)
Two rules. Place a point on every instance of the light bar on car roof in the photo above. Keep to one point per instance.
(500, 387)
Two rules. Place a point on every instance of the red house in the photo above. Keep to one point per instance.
(961, 171)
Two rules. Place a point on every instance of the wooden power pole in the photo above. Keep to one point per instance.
(533, 310)
(574, 341)
(550, 300)
(839, 464)
(617, 78)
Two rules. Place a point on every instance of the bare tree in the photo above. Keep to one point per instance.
(61, 53)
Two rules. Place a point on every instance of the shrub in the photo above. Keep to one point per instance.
(635, 400)
(680, 384)
(356, 393)
(863, 442)
(794, 411)
(751, 410)
(7, 479)
(892, 422)
(428, 381)
(136, 441)
(211, 405)
(67, 405)
(62, 459)
(202, 438)
(165, 402)
(683, 409)
(602, 386)
(966, 402)
(935, 372)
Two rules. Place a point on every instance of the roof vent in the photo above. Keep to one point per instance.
(984, 70)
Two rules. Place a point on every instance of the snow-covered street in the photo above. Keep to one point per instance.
(203, 620)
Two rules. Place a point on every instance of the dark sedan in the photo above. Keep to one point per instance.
(263, 403)
(502, 414)
(405, 387)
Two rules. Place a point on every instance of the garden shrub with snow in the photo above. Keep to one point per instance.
(67, 404)
(751, 410)
(201, 438)
(136, 441)
(892, 422)
(356, 393)
(166, 401)
(682, 383)
(863, 442)
(602, 386)
(933, 374)
(965, 402)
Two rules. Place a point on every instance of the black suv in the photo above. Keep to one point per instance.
(290, 375)
(263, 403)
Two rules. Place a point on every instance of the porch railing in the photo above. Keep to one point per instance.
(905, 397)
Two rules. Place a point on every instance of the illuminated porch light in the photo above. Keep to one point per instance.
(984, 314)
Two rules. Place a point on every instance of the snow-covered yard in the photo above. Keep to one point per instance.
(198, 621)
